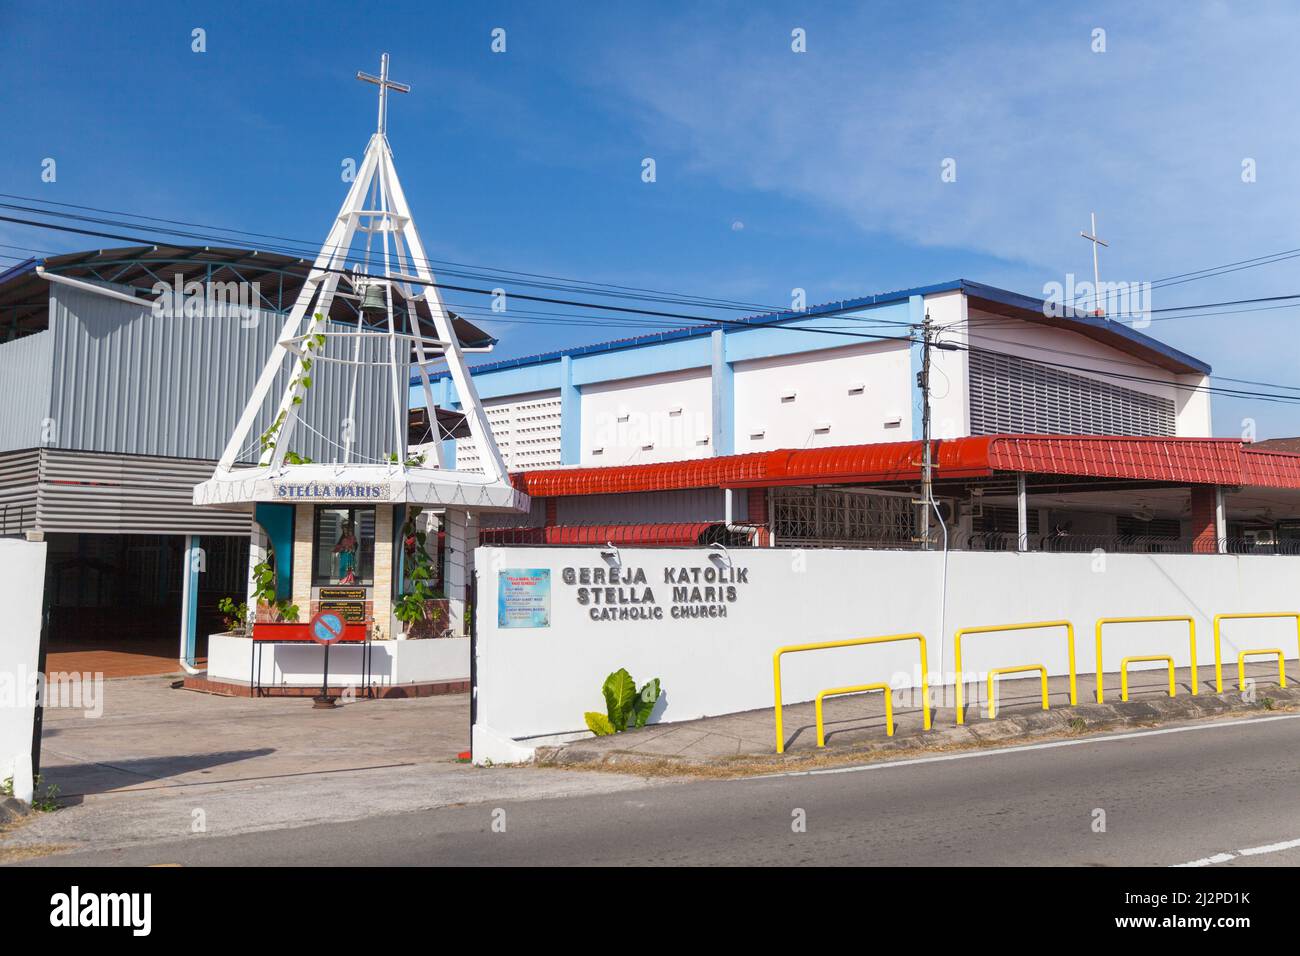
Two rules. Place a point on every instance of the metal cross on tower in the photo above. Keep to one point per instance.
(384, 84)
(1092, 237)
(390, 267)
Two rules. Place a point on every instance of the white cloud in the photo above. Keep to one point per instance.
(1151, 133)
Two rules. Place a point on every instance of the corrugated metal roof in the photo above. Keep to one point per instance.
(137, 268)
(1214, 461)
(127, 494)
(1101, 329)
(133, 385)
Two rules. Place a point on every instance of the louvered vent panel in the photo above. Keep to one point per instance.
(526, 432)
(1014, 395)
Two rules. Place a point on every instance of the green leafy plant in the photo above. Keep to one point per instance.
(233, 616)
(624, 704)
(43, 801)
(264, 584)
(413, 461)
(598, 723)
(411, 606)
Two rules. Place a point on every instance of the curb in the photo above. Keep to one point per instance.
(13, 810)
(1073, 721)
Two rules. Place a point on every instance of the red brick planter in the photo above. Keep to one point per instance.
(437, 614)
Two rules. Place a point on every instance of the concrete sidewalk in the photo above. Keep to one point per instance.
(162, 764)
(855, 725)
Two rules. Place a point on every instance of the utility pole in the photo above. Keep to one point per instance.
(923, 381)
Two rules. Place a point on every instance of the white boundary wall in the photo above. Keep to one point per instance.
(428, 660)
(537, 682)
(22, 587)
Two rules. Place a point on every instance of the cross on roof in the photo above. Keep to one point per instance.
(1097, 308)
(384, 84)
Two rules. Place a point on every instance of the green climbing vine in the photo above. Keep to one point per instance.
(300, 384)
(412, 461)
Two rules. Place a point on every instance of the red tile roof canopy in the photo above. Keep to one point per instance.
(679, 533)
(1213, 461)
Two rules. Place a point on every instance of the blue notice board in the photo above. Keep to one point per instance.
(524, 597)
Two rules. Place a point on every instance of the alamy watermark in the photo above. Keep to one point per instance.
(1126, 301)
(75, 690)
(220, 300)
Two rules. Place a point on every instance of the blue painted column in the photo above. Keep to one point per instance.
(277, 521)
(442, 395)
(570, 415)
(399, 546)
(191, 562)
(723, 380)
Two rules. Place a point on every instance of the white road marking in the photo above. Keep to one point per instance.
(1052, 745)
(1270, 848)
(1021, 748)
(1249, 851)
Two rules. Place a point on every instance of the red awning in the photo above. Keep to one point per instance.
(1198, 461)
(1215, 461)
(679, 533)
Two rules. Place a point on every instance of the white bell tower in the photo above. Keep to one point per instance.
(373, 257)
(389, 260)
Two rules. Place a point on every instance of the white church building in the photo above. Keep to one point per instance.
(770, 383)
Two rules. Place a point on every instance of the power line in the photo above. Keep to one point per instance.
(1212, 389)
(743, 323)
(1044, 348)
(1224, 269)
(1156, 315)
(656, 313)
(306, 247)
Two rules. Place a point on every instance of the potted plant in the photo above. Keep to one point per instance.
(423, 609)
(270, 608)
(234, 616)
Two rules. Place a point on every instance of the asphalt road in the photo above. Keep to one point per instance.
(1172, 796)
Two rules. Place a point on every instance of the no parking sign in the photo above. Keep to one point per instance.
(326, 628)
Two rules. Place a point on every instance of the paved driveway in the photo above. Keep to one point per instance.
(160, 763)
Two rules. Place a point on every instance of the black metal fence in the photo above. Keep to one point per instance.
(16, 519)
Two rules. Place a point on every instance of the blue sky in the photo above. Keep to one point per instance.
(775, 170)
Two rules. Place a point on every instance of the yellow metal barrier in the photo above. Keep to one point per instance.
(851, 642)
(1123, 672)
(993, 707)
(1241, 665)
(838, 691)
(1218, 654)
(991, 628)
(1191, 634)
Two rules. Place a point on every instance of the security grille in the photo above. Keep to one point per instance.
(1014, 395)
(1001, 520)
(1128, 526)
(820, 517)
(527, 434)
